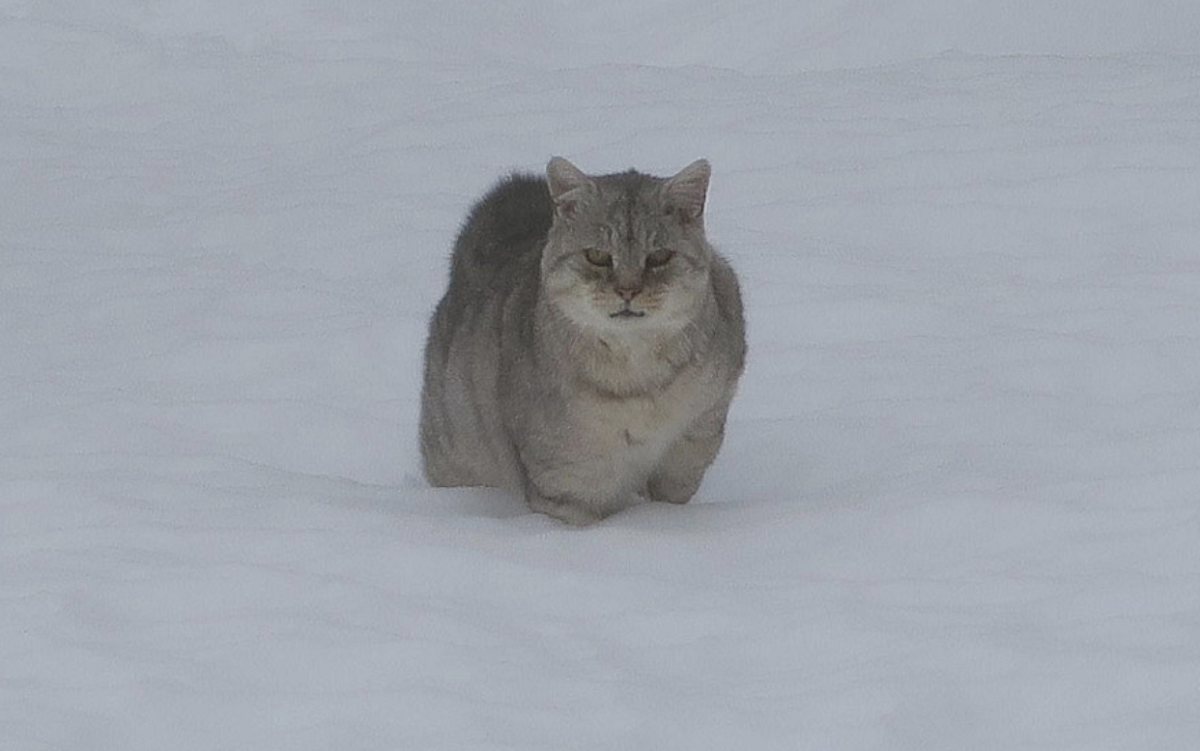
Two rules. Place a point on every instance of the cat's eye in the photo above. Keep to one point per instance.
(597, 257)
(660, 257)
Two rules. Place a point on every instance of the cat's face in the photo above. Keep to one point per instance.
(627, 252)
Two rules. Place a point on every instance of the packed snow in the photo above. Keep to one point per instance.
(958, 505)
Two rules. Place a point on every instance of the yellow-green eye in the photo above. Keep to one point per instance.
(597, 257)
(660, 257)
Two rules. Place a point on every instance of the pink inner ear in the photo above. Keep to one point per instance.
(566, 204)
(693, 206)
(562, 177)
(689, 204)
(688, 189)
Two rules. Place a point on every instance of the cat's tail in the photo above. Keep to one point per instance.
(511, 219)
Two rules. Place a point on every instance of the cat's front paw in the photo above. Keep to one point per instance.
(671, 489)
(565, 510)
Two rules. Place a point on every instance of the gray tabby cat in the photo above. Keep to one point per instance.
(588, 346)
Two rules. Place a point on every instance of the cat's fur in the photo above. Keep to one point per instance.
(576, 383)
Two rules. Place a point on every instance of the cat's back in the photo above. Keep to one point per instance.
(493, 286)
(507, 225)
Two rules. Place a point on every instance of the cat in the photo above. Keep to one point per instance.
(588, 345)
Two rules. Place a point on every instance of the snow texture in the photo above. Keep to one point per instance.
(959, 502)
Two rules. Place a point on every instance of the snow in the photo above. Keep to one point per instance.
(957, 505)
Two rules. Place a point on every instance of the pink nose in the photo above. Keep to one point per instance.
(630, 292)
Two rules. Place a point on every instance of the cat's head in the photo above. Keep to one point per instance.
(627, 250)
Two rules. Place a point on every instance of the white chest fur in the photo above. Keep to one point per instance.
(635, 431)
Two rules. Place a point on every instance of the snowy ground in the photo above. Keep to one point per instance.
(958, 503)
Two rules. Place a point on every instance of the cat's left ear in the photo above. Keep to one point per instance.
(687, 190)
(567, 185)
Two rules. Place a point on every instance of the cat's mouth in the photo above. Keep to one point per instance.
(627, 313)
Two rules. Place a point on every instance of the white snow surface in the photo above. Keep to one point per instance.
(959, 502)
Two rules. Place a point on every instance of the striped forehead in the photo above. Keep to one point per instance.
(629, 207)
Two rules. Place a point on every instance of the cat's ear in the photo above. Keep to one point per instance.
(567, 185)
(686, 191)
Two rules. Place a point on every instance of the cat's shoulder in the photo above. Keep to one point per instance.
(726, 287)
(728, 294)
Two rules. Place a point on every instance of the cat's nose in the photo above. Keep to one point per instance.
(628, 291)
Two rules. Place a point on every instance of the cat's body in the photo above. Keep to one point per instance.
(588, 346)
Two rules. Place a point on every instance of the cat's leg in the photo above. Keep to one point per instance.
(566, 510)
(439, 467)
(576, 491)
(448, 463)
(681, 469)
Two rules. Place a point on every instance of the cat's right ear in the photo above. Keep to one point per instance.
(567, 184)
